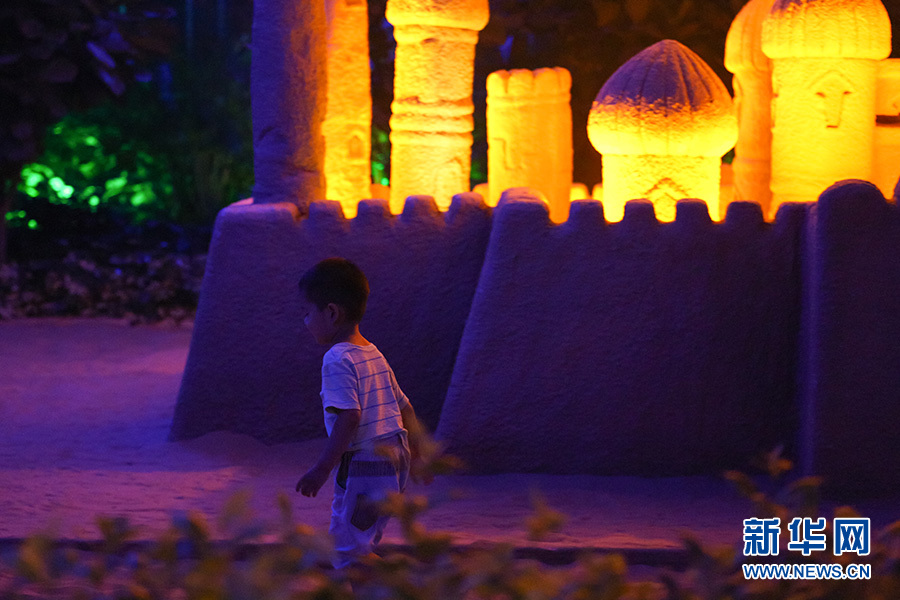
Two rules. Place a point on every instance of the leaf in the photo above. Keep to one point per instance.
(544, 520)
(637, 9)
(101, 55)
(60, 70)
(112, 82)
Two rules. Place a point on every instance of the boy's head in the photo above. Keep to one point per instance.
(339, 282)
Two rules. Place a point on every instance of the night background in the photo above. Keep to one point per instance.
(127, 128)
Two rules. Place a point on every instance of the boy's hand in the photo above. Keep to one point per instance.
(310, 484)
(419, 471)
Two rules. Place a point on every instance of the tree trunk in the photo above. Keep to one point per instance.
(7, 193)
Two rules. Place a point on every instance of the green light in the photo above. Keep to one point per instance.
(139, 198)
(385, 181)
(33, 179)
(91, 141)
(32, 224)
(21, 214)
(94, 201)
(66, 192)
(57, 184)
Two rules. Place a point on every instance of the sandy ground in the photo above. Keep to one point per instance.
(85, 408)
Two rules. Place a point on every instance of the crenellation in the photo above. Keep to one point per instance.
(692, 216)
(744, 216)
(420, 208)
(465, 205)
(374, 210)
(326, 215)
(639, 215)
(586, 215)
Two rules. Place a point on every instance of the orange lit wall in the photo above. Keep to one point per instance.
(431, 120)
(887, 128)
(529, 131)
(824, 67)
(752, 82)
(348, 114)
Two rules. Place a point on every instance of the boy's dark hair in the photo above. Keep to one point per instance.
(338, 281)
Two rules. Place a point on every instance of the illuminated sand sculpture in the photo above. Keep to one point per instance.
(824, 62)
(627, 347)
(348, 115)
(662, 123)
(287, 86)
(529, 130)
(431, 115)
(752, 82)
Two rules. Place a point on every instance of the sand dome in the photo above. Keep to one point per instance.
(827, 28)
(459, 14)
(664, 101)
(743, 45)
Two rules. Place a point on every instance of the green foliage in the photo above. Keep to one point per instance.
(91, 163)
(57, 56)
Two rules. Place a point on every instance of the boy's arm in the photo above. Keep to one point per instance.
(338, 442)
(416, 435)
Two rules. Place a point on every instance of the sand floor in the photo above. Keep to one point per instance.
(85, 408)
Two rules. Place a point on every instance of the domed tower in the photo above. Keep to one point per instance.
(824, 58)
(347, 127)
(662, 122)
(752, 100)
(431, 120)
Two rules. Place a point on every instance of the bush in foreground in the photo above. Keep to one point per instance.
(255, 560)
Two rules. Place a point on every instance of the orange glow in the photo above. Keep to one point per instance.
(431, 121)
(529, 131)
(662, 123)
(752, 82)
(824, 60)
(887, 130)
(348, 114)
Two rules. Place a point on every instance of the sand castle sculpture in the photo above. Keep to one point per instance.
(643, 346)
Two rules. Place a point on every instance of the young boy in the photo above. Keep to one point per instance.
(370, 422)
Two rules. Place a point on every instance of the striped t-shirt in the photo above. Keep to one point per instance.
(359, 377)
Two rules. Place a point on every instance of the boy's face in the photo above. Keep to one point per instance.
(320, 322)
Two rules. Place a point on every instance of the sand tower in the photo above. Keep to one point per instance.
(431, 120)
(662, 122)
(752, 99)
(825, 57)
(347, 128)
(287, 86)
(529, 131)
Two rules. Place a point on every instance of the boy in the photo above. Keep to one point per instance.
(371, 424)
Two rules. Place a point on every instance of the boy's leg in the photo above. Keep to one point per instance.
(357, 522)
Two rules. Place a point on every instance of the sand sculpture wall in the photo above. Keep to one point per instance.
(253, 368)
(851, 393)
(632, 347)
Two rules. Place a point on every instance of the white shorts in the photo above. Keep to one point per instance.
(364, 479)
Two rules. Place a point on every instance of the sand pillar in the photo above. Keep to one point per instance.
(348, 115)
(662, 122)
(529, 131)
(752, 166)
(824, 58)
(431, 121)
(287, 87)
(887, 127)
